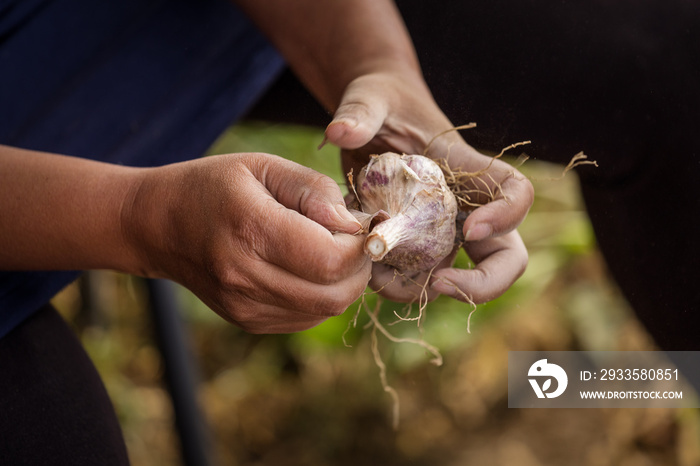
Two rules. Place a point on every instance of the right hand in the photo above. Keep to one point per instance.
(266, 243)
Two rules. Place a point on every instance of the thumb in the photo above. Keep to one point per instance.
(359, 116)
(310, 193)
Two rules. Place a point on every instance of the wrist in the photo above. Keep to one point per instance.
(142, 213)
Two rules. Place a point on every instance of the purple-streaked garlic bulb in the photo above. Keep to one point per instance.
(408, 209)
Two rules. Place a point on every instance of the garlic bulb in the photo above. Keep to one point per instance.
(408, 209)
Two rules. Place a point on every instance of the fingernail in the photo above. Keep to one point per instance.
(348, 217)
(343, 125)
(438, 286)
(478, 232)
(347, 121)
(442, 285)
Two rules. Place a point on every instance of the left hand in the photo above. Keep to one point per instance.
(396, 112)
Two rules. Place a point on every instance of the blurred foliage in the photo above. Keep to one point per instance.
(310, 399)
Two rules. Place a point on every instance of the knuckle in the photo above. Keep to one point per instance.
(319, 184)
(317, 192)
(223, 275)
(228, 277)
(322, 182)
(238, 310)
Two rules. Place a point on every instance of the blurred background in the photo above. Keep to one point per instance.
(315, 397)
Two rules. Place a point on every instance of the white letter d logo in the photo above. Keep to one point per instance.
(542, 368)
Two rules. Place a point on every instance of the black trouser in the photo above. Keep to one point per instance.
(615, 79)
(53, 406)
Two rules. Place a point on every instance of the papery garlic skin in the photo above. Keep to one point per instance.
(415, 208)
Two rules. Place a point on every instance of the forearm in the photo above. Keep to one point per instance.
(59, 212)
(331, 42)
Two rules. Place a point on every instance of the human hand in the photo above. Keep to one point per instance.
(396, 112)
(263, 241)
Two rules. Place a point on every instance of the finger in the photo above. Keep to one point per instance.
(500, 262)
(307, 250)
(278, 287)
(502, 215)
(505, 194)
(405, 287)
(308, 192)
(252, 314)
(359, 116)
(269, 319)
(402, 288)
(277, 233)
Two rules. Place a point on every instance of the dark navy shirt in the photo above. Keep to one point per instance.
(134, 82)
